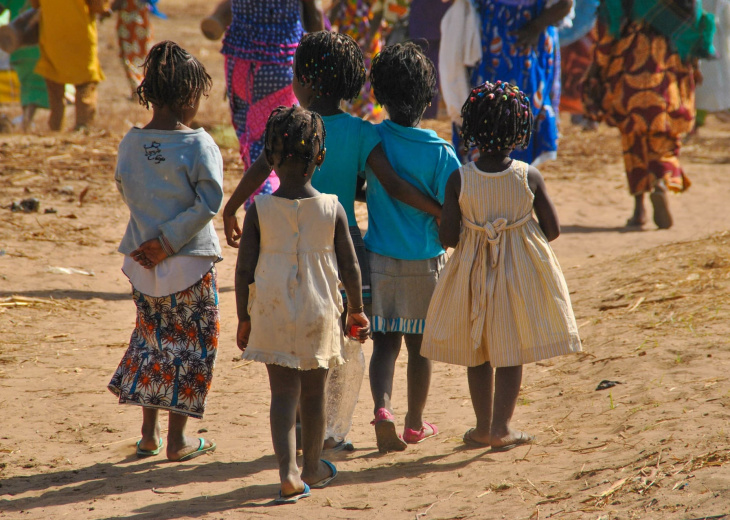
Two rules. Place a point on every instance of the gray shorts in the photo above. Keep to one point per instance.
(402, 291)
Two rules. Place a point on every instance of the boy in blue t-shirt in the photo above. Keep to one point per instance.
(405, 253)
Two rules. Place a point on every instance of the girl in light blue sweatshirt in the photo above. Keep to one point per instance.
(171, 178)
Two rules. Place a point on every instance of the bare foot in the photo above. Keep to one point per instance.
(636, 221)
(472, 437)
(513, 439)
(149, 442)
(322, 472)
(662, 216)
(330, 443)
(292, 485)
(176, 452)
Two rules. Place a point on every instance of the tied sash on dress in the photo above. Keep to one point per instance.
(481, 290)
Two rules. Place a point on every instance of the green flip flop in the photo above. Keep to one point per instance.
(148, 453)
(197, 453)
(293, 498)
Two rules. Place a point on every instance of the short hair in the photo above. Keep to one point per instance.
(332, 62)
(496, 117)
(403, 80)
(300, 131)
(172, 77)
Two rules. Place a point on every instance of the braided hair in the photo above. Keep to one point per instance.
(300, 132)
(403, 80)
(497, 117)
(332, 63)
(172, 77)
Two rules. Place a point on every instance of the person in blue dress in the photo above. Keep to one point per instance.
(520, 46)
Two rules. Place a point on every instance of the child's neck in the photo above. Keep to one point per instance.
(325, 107)
(493, 163)
(296, 191)
(166, 118)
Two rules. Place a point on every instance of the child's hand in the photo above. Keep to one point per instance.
(361, 321)
(149, 254)
(231, 229)
(242, 334)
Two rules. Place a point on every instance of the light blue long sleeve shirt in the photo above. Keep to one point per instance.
(172, 182)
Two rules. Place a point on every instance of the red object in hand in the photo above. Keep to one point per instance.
(355, 332)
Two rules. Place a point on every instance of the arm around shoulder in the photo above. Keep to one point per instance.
(547, 215)
(397, 187)
(347, 259)
(251, 180)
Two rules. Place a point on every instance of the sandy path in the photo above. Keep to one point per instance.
(653, 447)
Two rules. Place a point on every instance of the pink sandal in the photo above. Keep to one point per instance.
(385, 434)
(416, 436)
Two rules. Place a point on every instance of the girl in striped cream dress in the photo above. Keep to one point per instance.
(501, 300)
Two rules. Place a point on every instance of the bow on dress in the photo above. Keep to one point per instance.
(493, 234)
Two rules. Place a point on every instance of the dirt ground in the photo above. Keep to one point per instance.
(652, 308)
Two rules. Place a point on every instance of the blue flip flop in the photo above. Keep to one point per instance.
(293, 498)
(148, 453)
(326, 481)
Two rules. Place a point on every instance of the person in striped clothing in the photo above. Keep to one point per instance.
(501, 301)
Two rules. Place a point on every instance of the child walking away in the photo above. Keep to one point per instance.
(171, 179)
(288, 302)
(405, 256)
(328, 69)
(502, 300)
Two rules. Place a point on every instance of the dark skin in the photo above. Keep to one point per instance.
(494, 392)
(291, 388)
(148, 255)
(545, 211)
(394, 185)
(312, 18)
(529, 34)
(386, 348)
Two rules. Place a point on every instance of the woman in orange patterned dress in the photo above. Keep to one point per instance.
(643, 81)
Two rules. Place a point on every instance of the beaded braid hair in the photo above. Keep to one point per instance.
(497, 117)
(300, 132)
(403, 80)
(172, 77)
(332, 63)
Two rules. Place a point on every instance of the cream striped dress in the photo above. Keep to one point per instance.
(502, 297)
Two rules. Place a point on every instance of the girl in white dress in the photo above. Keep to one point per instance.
(501, 300)
(289, 305)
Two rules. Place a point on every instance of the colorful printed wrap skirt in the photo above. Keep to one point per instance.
(170, 359)
(641, 86)
(255, 89)
(134, 34)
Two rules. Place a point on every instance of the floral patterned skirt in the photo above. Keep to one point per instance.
(171, 355)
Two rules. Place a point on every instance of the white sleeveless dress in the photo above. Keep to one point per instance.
(294, 302)
(502, 297)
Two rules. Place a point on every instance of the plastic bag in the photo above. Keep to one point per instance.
(343, 390)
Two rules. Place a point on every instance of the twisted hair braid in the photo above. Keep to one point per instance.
(172, 77)
(497, 117)
(332, 63)
(403, 80)
(300, 132)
